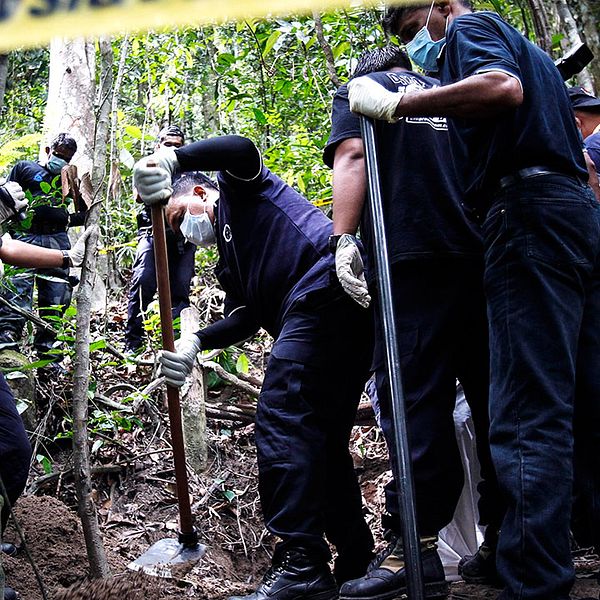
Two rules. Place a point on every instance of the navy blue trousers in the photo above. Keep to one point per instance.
(542, 280)
(313, 382)
(15, 450)
(52, 286)
(143, 283)
(441, 325)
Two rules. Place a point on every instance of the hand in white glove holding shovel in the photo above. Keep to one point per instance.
(176, 366)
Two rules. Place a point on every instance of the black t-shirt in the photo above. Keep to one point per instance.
(48, 208)
(539, 132)
(421, 196)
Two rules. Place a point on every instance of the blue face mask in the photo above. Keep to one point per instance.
(423, 51)
(55, 164)
(198, 229)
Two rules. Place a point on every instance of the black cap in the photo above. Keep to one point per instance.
(582, 100)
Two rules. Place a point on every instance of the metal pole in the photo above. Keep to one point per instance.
(402, 466)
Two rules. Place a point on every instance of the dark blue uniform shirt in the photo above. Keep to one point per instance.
(540, 132)
(272, 246)
(421, 195)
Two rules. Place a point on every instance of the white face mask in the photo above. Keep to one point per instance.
(198, 229)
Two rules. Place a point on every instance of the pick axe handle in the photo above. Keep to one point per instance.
(402, 466)
(168, 343)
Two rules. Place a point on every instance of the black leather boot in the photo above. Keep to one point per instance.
(386, 577)
(481, 566)
(294, 576)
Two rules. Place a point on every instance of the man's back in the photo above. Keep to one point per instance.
(539, 132)
(422, 198)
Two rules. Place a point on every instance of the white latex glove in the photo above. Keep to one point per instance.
(372, 100)
(12, 199)
(351, 271)
(77, 252)
(153, 184)
(176, 366)
(166, 159)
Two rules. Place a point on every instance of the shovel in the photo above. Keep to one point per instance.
(402, 467)
(166, 553)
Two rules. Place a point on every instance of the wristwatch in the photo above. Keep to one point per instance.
(66, 263)
(333, 242)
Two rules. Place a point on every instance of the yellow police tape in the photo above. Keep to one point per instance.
(30, 23)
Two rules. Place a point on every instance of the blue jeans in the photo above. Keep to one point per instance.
(542, 281)
(53, 289)
(143, 283)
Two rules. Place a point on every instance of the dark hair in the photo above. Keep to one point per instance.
(170, 130)
(395, 14)
(64, 140)
(190, 180)
(381, 59)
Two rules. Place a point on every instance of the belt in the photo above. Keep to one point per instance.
(528, 173)
(45, 229)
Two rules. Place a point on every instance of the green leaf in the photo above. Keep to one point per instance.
(271, 42)
(229, 495)
(97, 345)
(45, 462)
(241, 365)
(133, 131)
(45, 187)
(259, 116)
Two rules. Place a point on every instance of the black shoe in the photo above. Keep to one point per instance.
(351, 565)
(481, 567)
(293, 576)
(9, 549)
(10, 594)
(386, 577)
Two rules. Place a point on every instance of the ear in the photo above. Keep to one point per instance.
(578, 121)
(443, 6)
(199, 191)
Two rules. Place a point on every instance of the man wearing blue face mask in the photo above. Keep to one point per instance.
(278, 273)
(143, 278)
(47, 228)
(519, 157)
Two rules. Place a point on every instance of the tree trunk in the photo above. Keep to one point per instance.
(3, 74)
(71, 91)
(569, 26)
(81, 459)
(541, 25)
(326, 50)
(587, 17)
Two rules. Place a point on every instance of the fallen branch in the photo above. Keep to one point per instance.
(231, 378)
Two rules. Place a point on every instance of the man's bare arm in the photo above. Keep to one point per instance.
(478, 96)
(349, 186)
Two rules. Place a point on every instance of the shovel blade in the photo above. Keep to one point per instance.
(163, 555)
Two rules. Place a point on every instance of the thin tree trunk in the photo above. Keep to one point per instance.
(3, 75)
(326, 50)
(542, 26)
(587, 16)
(569, 25)
(81, 455)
